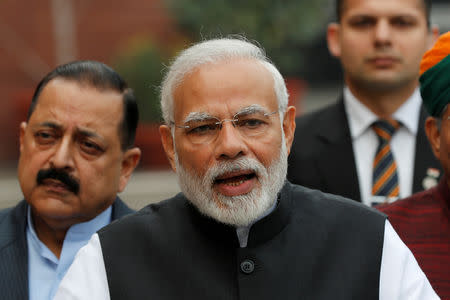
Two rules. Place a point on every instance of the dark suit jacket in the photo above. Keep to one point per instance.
(322, 153)
(14, 248)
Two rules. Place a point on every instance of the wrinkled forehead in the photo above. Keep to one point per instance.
(224, 89)
(73, 105)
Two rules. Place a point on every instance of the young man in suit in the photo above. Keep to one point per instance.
(380, 44)
(76, 154)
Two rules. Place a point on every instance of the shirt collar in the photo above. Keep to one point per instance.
(80, 231)
(360, 118)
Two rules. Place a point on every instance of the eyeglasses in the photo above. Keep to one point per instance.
(205, 130)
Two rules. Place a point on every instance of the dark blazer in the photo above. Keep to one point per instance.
(14, 248)
(322, 153)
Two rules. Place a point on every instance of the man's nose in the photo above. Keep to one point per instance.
(229, 143)
(63, 156)
(383, 33)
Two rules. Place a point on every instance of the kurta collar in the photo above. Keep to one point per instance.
(261, 231)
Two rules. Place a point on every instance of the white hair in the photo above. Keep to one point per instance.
(213, 51)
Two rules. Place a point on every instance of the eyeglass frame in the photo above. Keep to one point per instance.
(248, 111)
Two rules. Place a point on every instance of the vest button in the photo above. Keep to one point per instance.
(247, 266)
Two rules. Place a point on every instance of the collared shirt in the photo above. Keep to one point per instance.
(400, 276)
(365, 142)
(45, 270)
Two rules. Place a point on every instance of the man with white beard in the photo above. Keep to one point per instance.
(238, 230)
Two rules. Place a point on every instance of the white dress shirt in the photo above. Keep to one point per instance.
(45, 270)
(400, 276)
(365, 142)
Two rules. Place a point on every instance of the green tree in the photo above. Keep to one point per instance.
(141, 65)
(282, 28)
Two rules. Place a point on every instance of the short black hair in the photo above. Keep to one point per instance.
(101, 77)
(426, 3)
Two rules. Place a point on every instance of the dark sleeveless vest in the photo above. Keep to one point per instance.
(313, 246)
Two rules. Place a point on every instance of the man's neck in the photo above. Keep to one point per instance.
(383, 103)
(51, 236)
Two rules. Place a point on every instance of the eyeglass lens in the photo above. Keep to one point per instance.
(206, 130)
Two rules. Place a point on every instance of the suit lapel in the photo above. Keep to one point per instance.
(424, 157)
(14, 249)
(336, 163)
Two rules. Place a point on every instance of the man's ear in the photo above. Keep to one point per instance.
(289, 127)
(130, 160)
(168, 144)
(22, 129)
(333, 39)
(434, 135)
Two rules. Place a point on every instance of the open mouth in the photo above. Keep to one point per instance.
(233, 184)
(234, 180)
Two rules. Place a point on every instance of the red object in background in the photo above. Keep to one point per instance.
(149, 141)
(21, 100)
(296, 88)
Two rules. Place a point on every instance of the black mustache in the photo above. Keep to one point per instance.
(72, 183)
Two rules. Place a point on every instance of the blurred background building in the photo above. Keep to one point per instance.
(138, 38)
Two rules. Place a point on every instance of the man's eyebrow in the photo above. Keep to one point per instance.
(88, 133)
(48, 124)
(254, 108)
(202, 116)
(198, 116)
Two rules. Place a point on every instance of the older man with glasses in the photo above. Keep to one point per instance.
(238, 230)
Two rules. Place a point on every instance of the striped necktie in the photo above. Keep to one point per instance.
(385, 178)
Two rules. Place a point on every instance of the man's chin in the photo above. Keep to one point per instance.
(383, 80)
(55, 205)
(237, 210)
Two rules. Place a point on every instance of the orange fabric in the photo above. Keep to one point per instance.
(384, 178)
(381, 154)
(439, 51)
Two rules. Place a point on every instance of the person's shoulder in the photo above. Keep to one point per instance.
(8, 214)
(149, 215)
(338, 217)
(332, 207)
(416, 202)
(121, 209)
(12, 219)
(5, 221)
(4, 213)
